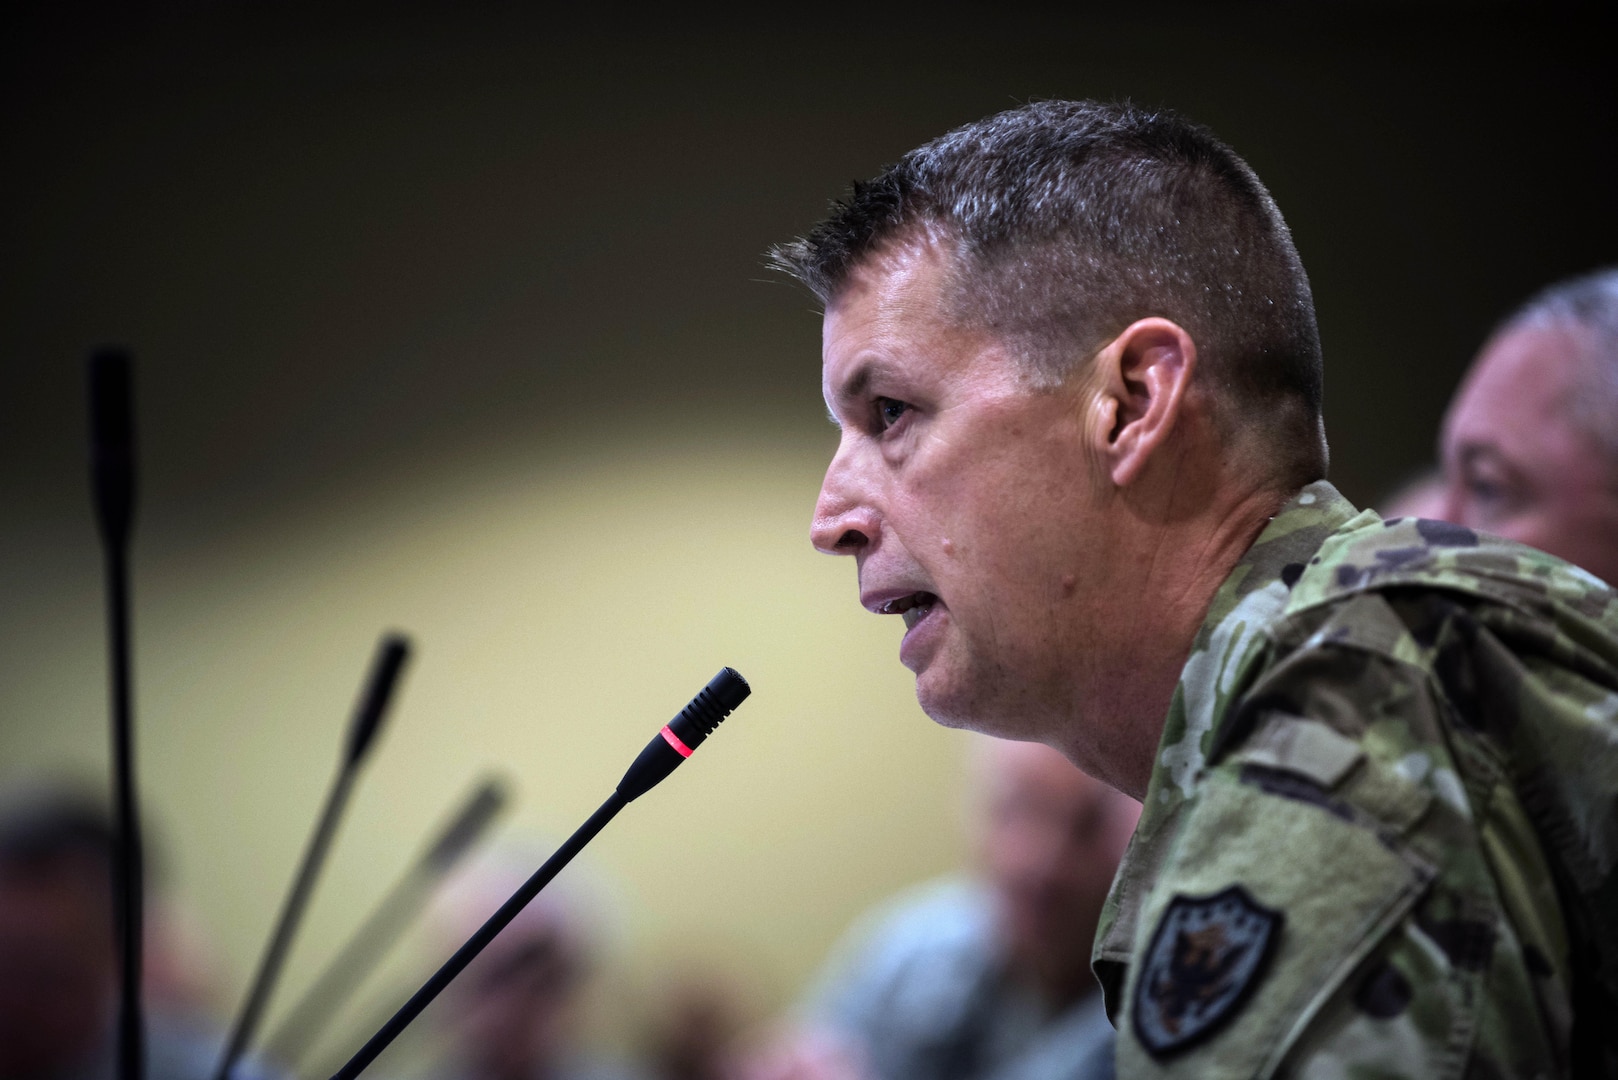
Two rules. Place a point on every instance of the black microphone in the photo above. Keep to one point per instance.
(377, 935)
(391, 655)
(668, 748)
(112, 471)
(112, 443)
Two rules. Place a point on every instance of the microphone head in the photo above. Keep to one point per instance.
(391, 655)
(111, 428)
(728, 688)
(709, 708)
(682, 735)
(112, 441)
(475, 817)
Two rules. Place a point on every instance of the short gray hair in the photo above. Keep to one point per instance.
(1067, 221)
(1586, 307)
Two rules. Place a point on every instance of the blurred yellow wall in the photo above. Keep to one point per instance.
(562, 610)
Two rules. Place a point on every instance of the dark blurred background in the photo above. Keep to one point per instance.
(405, 248)
(343, 242)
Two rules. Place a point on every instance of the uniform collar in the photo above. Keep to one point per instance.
(1223, 654)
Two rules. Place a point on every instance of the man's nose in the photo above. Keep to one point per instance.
(845, 522)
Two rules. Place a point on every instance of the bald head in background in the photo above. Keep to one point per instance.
(1530, 443)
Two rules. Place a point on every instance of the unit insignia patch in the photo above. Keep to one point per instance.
(1206, 955)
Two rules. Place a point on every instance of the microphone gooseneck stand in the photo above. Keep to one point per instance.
(667, 750)
(391, 655)
(112, 470)
(319, 1005)
(113, 483)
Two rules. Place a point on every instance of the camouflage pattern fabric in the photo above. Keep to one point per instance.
(1381, 834)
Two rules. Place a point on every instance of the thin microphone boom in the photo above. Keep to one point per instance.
(391, 655)
(320, 1003)
(667, 750)
(112, 467)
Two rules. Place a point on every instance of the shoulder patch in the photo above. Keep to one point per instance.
(1205, 957)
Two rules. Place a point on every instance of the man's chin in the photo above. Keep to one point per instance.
(933, 700)
(953, 705)
(946, 701)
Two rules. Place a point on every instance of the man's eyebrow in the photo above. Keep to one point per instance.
(1472, 449)
(857, 384)
(860, 379)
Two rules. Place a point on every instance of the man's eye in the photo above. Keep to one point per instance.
(889, 410)
(1484, 486)
(1484, 490)
(1491, 497)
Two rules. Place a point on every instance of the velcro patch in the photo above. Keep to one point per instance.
(1303, 746)
(1205, 957)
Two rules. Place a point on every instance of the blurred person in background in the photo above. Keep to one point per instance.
(985, 978)
(513, 1014)
(58, 952)
(58, 963)
(694, 1021)
(1530, 443)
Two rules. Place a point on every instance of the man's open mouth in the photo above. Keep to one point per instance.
(913, 608)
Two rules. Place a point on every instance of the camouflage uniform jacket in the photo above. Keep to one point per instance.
(1381, 833)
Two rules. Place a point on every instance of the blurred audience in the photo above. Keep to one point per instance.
(694, 1023)
(513, 1014)
(985, 978)
(58, 954)
(1530, 443)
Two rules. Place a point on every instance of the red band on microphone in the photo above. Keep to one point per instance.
(675, 741)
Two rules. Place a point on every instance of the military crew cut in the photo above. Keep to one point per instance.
(1067, 221)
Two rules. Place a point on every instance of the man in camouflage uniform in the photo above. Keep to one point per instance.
(1442, 708)
(1073, 358)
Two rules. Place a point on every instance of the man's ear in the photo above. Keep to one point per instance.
(1142, 375)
